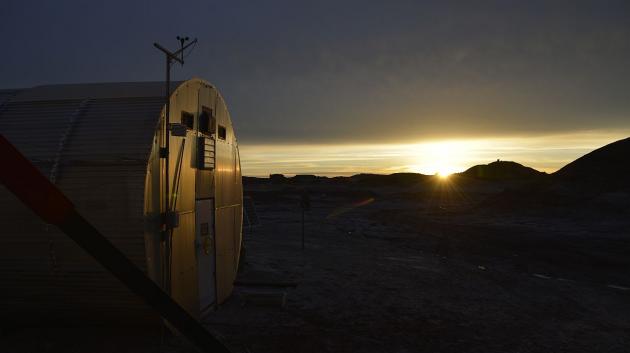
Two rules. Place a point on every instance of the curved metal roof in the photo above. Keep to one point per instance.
(93, 91)
(93, 141)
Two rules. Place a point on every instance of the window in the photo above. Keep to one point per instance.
(188, 120)
(222, 132)
(206, 121)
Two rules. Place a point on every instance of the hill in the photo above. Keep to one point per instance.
(598, 181)
(502, 170)
(606, 168)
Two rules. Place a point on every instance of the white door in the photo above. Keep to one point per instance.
(206, 275)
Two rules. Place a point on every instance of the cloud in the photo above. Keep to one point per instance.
(351, 72)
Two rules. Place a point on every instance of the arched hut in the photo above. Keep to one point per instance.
(103, 146)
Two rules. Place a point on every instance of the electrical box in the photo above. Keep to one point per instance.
(205, 153)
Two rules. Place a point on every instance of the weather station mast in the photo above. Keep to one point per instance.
(169, 217)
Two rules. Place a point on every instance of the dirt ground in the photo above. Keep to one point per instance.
(406, 269)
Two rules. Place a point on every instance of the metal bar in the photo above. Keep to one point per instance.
(167, 121)
(166, 233)
(174, 55)
(255, 283)
(228, 206)
(185, 46)
(23, 179)
(303, 229)
(177, 176)
(169, 54)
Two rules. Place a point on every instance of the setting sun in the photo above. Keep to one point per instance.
(443, 175)
(443, 158)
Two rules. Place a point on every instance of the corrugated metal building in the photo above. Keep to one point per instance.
(100, 143)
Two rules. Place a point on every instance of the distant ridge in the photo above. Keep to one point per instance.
(607, 167)
(502, 170)
(599, 180)
(401, 179)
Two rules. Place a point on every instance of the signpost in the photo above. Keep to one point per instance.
(305, 204)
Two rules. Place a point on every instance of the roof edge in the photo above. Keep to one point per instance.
(103, 90)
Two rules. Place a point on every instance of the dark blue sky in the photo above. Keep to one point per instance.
(351, 71)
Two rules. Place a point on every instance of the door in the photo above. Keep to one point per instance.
(206, 273)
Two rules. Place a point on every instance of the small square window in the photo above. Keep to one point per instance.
(188, 120)
(222, 132)
(206, 121)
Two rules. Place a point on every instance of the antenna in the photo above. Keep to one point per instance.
(169, 219)
(183, 40)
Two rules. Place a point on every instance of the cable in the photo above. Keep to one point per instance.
(190, 50)
(172, 208)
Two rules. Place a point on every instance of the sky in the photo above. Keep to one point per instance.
(342, 87)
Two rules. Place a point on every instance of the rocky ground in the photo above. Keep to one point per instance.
(423, 269)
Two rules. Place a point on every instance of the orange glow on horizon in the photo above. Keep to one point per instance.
(546, 153)
(443, 175)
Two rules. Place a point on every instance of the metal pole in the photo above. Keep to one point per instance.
(167, 121)
(303, 228)
(167, 230)
(165, 237)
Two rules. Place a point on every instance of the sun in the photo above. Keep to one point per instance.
(443, 174)
(441, 158)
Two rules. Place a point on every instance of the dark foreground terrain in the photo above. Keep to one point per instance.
(423, 268)
(409, 265)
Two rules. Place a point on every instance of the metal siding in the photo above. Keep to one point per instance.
(229, 207)
(115, 131)
(184, 274)
(35, 128)
(102, 168)
(184, 267)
